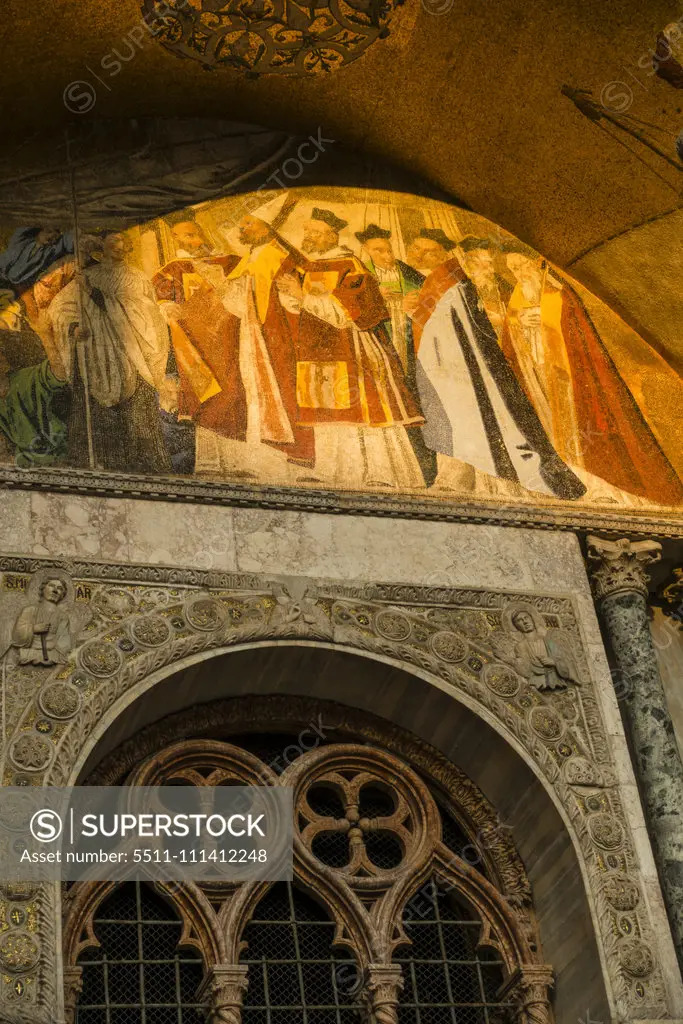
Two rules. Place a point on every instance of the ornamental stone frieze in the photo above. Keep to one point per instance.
(518, 661)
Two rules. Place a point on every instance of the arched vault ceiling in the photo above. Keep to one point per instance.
(469, 99)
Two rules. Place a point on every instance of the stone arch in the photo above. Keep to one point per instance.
(433, 660)
(573, 871)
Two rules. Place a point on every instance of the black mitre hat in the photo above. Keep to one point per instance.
(471, 242)
(372, 231)
(328, 218)
(437, 235)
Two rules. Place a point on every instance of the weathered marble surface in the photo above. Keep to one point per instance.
(667, 637)
(346, 548)
(657, 759)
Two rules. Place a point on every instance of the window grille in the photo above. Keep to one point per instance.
(446, 979)
(295, 977)
(137, 975)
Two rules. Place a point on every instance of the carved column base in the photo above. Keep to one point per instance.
(222, 992)
(383, 984)
(529, 989)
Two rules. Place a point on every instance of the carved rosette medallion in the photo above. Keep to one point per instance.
(622, 893)
(100, 659)
(502, 681)
(546, 723)
(19, 952)
(151, 631)
(31, 752)
(269, 37)
(392, 625)
(580, 772)
(606, 831)
(636, 959)
(205, 614)
(448, 646)
(60, 700)
(18, 892)
(113, 603)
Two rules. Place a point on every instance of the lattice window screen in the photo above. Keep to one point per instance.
(446, 979)
(295, 977)
(138, 975)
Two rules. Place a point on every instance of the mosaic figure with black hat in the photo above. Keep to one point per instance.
(397, 280)
(233, 342)
(351, 385)
(493, 290)
(476, 412)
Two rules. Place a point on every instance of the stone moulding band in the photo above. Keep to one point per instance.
(559, 516)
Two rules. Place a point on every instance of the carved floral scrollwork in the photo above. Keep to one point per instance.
(448, 635)
(529, 990)
(383, 985)
(222, 993)
(621, 565)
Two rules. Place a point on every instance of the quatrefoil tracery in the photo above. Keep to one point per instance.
(359, 817)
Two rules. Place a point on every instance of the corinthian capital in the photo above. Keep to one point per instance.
(222, 992)
(620, 565)
(73, 984)
(529, 990)
(383, 983)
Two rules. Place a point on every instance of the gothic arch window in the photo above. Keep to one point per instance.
(138, 972)
(398, 913)
(296, 976)
(447, 977)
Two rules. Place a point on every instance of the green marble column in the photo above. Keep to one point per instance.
(620, 585)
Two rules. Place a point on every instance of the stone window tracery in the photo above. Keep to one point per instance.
(383, 875)
(138, 971)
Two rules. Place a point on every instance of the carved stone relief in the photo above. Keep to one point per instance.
(130, 622)
(359, 792)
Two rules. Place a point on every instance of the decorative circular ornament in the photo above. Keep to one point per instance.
(448, 646)
(269, 37)
(622, 893)
(205, 614)
(605, 831)
(18, 952)
(101, 659)
(546, 723)
(60, 700)
(114, 603)
(18, 892)
(636, 958)
(502, 681)
(580, 772)
(392, 625)
(16, 812)
(151, 631)
(31, 752)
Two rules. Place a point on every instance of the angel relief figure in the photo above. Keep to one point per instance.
(42, 632)
(543, 656)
